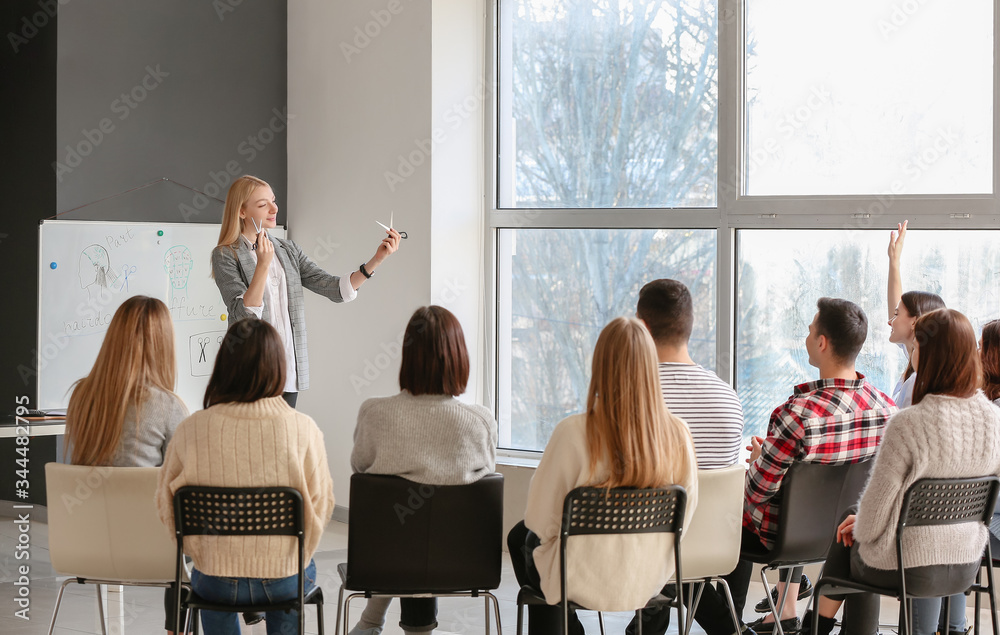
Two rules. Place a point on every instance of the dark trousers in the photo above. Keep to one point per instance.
(542, 620)
(713, 609)
(290, 397)
(418, 614)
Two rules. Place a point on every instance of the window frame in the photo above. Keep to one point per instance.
(735, 210)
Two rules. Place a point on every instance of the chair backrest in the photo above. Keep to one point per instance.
(808, 521)
(408, 537)
(712, 537)
(596, 510)
(103, 524)
(238, 511)
(939, 501)
(599, 511)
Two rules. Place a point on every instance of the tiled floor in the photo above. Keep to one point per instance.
(142, 609)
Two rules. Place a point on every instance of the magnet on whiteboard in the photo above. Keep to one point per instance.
(53, 265)
(159, 233)
(223, 317)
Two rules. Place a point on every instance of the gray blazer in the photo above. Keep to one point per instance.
(233, 272)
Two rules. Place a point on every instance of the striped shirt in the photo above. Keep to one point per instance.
(710, 408)
(833, 421)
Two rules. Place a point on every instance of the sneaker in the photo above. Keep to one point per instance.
(365, 631)
(805, 590)
(791, 625)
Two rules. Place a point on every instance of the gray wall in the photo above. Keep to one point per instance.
(182, 90)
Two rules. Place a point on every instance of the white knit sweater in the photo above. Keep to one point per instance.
(941, 437)
(258, 444)
(594, 560)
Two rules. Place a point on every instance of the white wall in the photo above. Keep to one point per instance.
(356, 110)
(360, 102)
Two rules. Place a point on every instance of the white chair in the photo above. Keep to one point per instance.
(711, 545)
(104, 529)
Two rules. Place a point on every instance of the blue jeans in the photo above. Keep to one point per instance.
(250, 591)
(928, 615)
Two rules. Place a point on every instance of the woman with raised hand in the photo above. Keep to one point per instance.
(248, 436)
(424, 434)
(626, 438)
(951, 431)
(124, 412)
(261, 276)
(904, 309)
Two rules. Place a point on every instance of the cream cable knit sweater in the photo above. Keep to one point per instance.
(257, 444)
(941, 437)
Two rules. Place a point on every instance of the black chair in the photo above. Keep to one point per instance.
(927, 502)
(409, 539)
(808, 521)
(994, 551)
(596, 510)
(247, 511)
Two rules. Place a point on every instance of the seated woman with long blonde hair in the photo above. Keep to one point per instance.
(124, 412)
(627, 438)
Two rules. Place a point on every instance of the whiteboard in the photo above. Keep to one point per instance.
(86, 270)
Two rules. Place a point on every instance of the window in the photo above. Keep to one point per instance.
(559, 289)
(888, 96)
(611, 104)
(783, 272)
(760, 154)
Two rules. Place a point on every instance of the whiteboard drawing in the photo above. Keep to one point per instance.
(177, 262)
(96, 275)
(203, 348)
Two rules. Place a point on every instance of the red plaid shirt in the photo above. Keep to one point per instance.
(831, 421)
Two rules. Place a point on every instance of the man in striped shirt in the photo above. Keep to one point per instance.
(707, 404)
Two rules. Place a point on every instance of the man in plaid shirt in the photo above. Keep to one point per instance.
(836, 419)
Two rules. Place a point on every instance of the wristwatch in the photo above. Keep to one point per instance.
(364, 271)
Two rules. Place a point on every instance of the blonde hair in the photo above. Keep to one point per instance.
(628, 425)
(137, 352)
(239, 193)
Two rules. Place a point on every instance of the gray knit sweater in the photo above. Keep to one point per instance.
(147, 431)
(941, 437)
(433, 439)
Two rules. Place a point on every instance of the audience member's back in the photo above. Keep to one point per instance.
(707, 404)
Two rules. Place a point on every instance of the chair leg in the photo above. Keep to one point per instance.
(694, 593)
(340, 607)
(319, 619)
(496, 612)
(770, 601)
(55, 611)
(993, 596)
(100, 610)
(737, 625)
(520, 618)
(486, 603)
(978, 601)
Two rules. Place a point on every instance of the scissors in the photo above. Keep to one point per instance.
(127, 270)
(203, 342)
(401, 234)
(254, 244)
